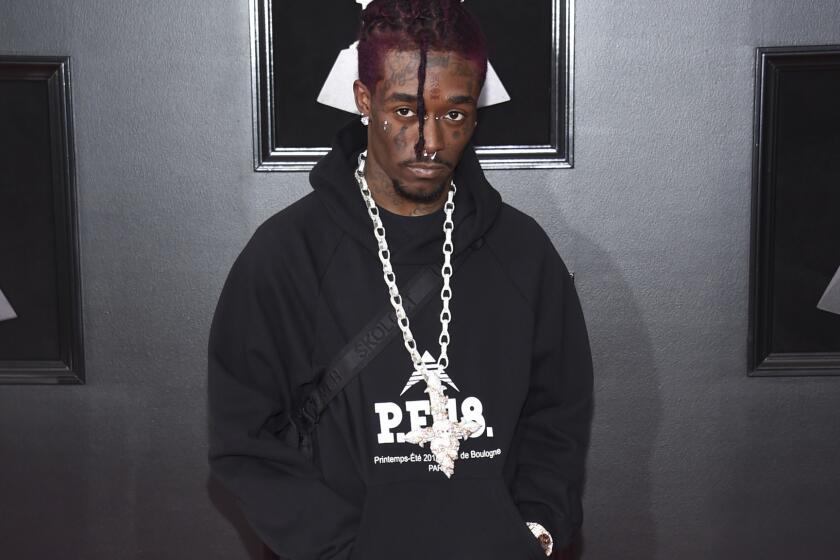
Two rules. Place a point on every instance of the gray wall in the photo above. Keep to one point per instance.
(690, 458)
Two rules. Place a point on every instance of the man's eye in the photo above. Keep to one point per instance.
(455, 116)
(405, 112)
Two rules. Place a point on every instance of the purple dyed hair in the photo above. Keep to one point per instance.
(427, 25)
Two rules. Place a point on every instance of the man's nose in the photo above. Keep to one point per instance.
(433, 135)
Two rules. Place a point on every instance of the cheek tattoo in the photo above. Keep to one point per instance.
(399, 140)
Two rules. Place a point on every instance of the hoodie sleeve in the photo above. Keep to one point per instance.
(556, 417)
(257, 341)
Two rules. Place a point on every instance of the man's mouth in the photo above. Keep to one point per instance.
(427, 170)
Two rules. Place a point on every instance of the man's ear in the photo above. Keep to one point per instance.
(363, 97)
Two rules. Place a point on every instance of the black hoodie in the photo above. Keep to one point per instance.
(519, 361)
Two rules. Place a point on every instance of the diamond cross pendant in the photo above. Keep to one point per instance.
(444, 435)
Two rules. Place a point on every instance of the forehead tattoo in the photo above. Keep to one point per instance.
(402, 68)
(435, 91)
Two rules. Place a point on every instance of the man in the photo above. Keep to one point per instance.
(477, 453)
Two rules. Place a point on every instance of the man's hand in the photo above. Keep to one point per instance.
(543, 536)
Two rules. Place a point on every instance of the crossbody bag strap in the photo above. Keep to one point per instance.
(351, 359)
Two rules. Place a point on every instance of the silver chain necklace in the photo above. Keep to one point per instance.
(443, 436)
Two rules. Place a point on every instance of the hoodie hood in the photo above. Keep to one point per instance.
(477, 203)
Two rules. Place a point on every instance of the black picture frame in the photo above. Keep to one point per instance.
(795, 207)
(39, 240)
(294, 45)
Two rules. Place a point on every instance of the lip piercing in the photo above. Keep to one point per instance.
(426, 154)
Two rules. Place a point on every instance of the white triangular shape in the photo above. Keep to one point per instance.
(830, 300)
(6, 310)
(432, 367)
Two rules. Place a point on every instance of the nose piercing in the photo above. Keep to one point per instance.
(426, 117)
(426, 154)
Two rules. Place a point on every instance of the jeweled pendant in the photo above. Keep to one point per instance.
(444, 435)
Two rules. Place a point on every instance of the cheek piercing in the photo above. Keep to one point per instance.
(385, 126)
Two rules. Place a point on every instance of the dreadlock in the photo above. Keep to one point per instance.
(403, 25)
(421, 101)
